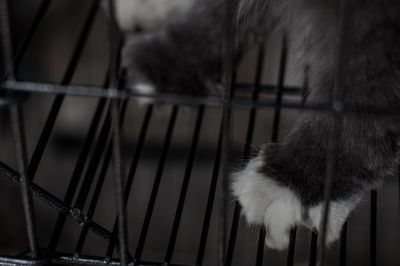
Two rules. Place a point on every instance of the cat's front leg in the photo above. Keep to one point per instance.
(284, 185)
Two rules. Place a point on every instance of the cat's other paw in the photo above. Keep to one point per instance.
(279, 207)
(265, 202)
(154, 63)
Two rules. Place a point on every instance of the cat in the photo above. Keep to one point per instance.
(283, 186)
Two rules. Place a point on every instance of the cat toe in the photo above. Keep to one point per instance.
(266, 202)
(281, 215)
(250, 189)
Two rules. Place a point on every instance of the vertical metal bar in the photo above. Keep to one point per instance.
(260, 247)
(185, 186)
(131, 175)
(373, 231)
(314, 237)
(313, 249)
(293, 232)
(210, 201)
(102, 140)
(292, 245)
(44, 6)
(236, 214)
(335, 117)
(228, 47)
(18, 129)
(249, 138)
(246, 153)
(224, 190)
(332, 151)
(279, 89)
(118, 183)
(275, 127)
(6, 42)
(100, 181)
(93, 203)
(114, 42)
(343, 246)
(156, 186)
(233, 235)
(21, 154)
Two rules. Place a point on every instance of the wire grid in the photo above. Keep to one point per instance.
(112, 103)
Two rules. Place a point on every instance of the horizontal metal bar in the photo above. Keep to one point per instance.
(12, 261)
(67, 259)
(95, 91)
(211, 101)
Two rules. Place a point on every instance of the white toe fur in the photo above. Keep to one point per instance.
(280, 216)
(266, 202)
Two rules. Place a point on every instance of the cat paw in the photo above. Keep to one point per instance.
(154, 64)
(278, 208)
(265, 202)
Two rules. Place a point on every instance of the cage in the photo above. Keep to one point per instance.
(101, 180)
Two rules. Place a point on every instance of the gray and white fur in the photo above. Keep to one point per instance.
(283, 186)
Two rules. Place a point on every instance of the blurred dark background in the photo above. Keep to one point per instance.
(46, 61)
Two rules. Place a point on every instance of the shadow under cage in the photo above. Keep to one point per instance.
(99, 179)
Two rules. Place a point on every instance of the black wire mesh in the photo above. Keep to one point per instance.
(103, 144)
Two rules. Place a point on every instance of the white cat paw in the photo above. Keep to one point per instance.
(265, 202)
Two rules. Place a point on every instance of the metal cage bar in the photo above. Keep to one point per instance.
(336, 117)
(58, 101)
(131, 174)
(18, 130)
